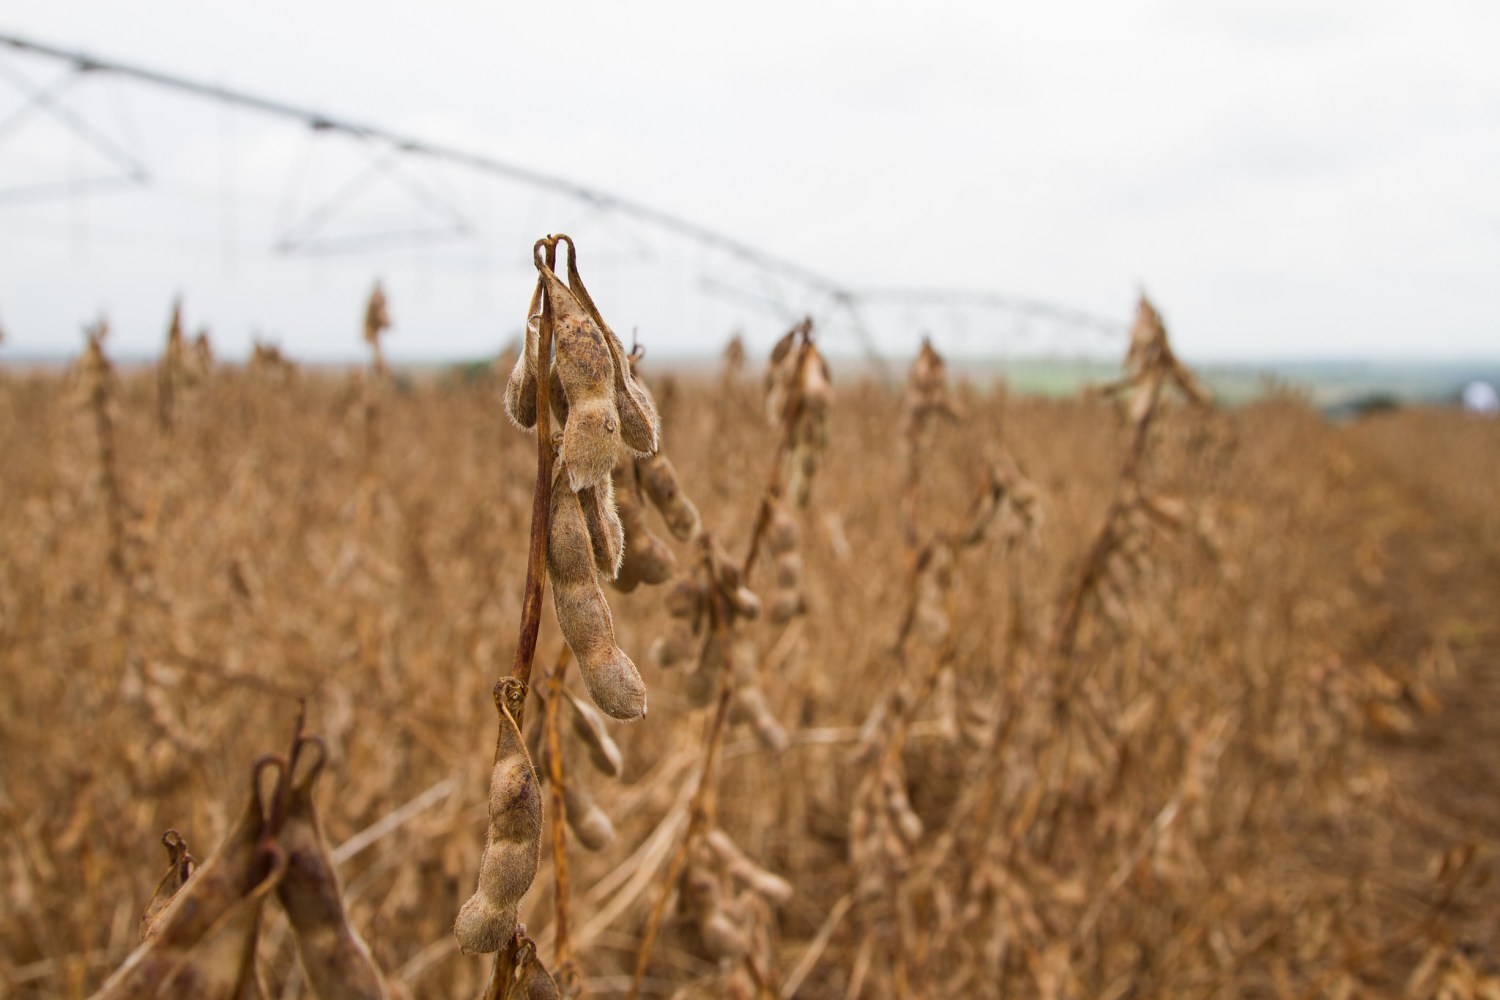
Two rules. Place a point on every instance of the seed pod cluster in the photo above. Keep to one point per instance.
(927, 392)
(513, 843)
(810, 432)
(1150, 366)
(1151, 350)
(781, 374)
(686, 604)
(601, 404)
(701, 901)
(201, 942)
(724, 925)
(783, 536)
(749, 705)
(222, 966)
(646, 558)
(884, 830)
(603, 412)
(659, 480)
(706, 605)
(799, 391)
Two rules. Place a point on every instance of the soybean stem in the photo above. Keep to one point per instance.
(536, 559)
(556, 777)
(541, 504)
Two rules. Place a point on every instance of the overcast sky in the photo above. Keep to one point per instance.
(1295, 179)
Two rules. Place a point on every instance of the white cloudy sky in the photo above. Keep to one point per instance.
(1311, 178)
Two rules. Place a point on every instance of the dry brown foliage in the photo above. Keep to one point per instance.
(1261, 765)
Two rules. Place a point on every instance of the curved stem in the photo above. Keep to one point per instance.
(541, 504)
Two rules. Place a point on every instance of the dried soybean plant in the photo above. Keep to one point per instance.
(798, 393)
(1115, 556)
(373, 385)
(710, 605)
(138, 609)
(201, 360)
(199, 931)
(173, 371)
(97, 381)
(363, 570)
(885, 831)
(377, 321)
(642, 558)
(636, 478)
(572, 368)
(979, 881)
(1242, 812)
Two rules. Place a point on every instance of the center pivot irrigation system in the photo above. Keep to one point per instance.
(761, 279)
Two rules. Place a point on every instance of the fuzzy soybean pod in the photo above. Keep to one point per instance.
(817, 386)
(335, 959)
(588, 725)
(669, 650)
(783, 533)
(750, 707)
(786, 605)
(513, 843)
(726, 574)
(702, 901)
(789, 571)
(703, 682)
(646, 558)
(583, 613)
(520, 388)
(585, 370)
(640, 425)
(589, 823)
(660, 482)
(606, 534)
(686, 600)
(768, 885)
